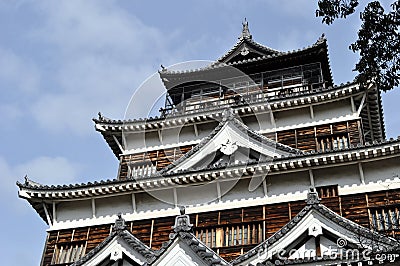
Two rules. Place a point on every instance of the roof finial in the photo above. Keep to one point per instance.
(182, 222)
(312, 197)
(245, 30)
(119, 223)
(228, 114)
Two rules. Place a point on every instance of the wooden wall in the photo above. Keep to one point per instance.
(156, 159)
(309, 139)
(259, 221)
(306, 139)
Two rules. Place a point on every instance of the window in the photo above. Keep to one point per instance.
(231, 235)
(327, 191)
(68, 252)
(385, 219)
(333, 142)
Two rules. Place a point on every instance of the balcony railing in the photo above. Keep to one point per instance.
(243, 95)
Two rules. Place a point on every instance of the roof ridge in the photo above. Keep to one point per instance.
(158, 174)
(229, 116)
(313, 202)
(120, 230)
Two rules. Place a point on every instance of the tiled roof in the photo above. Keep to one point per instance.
(271, 55)
(313, 203)
(230, 117)
(119, 230)
(183, 231)
(247, 40)
(28, 184)
(117, 122)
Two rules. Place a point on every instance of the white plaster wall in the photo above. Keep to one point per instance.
(340, 175)
(259, 121)
(289, 183)
(146, 202)
(239, 190)
(381, 170)
(204, 129)
(193, 195)
(332, 109)
(134, 140)
(171, 135)
(152, 139)
(74, 210)
(292, 117)
(114, 205)
(166, 196)
(186, 134)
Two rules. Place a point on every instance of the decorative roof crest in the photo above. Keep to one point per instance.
(182, 222)
(312, 197)
(229, 147)
(245, 30)
(228, 114)
(29, 182)
(119, 223)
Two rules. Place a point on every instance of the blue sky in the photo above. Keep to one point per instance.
(61, 62)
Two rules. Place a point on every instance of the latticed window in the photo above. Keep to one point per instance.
(327, 191)
(68, 252)
(333, 142)
(385, 219)
(231, 235)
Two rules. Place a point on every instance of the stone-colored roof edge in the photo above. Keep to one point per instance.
(119, 230)
(248, 40)
(102, 120)
(251, 133)
(36, 186)
(313, 203)
(183, 230)
(321, 41)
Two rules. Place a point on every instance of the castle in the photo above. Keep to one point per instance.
(255, 159)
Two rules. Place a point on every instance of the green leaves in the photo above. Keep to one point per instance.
(333, 9)
(378, 39)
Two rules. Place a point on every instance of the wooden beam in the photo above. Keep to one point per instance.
(175, 197)
(361, 171)
(54, 213)
(353, 106)
(119, 144)
(49, 221)
(312, 183)
(151, 232)
(133, 202)
(159, 135)
(219, 191)
(264, 182)
(93, 208)
(311, 112)
(196, 132)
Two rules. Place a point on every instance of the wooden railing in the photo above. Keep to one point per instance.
(244, 95)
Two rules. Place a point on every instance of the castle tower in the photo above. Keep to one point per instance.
(238, 144)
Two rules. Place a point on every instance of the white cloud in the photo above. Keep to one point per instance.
(10, 112)
(100, 55)
(16, 73)
(44, 170)
(49, 170)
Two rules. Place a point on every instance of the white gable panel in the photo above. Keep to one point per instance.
(116, 248)
(312, 221)
(228, 139)
(179, 254)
